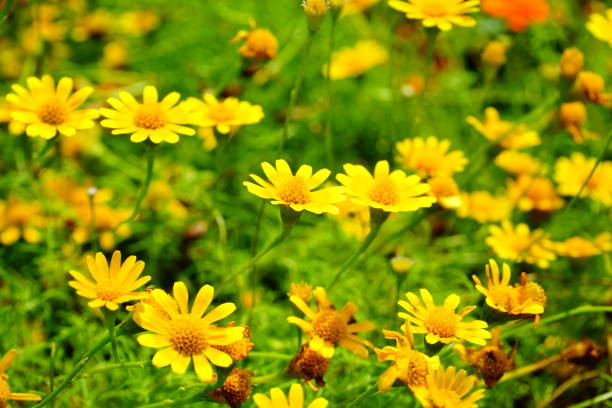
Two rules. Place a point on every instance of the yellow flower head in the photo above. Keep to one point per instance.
(494, 54)
(505, 133)
(401, 264)
(354, 61)
(47, 110)
(391, 192)
(315, 8)
(259, 43)
(19, 219)
(517, 163)
(328, 327)
(519, 244)
(442, 323)
(484, 207)
(534, 193)
(592, 86)
(183, 335)
(445, 190)
(296, 191)
(572, 62)
(572, 116)
(447, 388)
(5, 392)
(159, 121)
(442, 14)
(514, 300)
(572, 172)
(409, 365)
(279, 400)
(226, 115)
(114, 284)
(601, 26)
(356, 6)
(580, 248)
(430, 157)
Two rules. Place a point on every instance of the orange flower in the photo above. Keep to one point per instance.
(519, 14)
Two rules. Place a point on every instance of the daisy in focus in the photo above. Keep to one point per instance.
(183, 335)
(508, 136)
(447, 388)
(278, 399)
(524, 298)
(430, 157)
(409, 365)
(520, 244)
(158, 121)
(442, 323)
(112, 285)
(442, 14)
(46, 109)
(5, 391)
(225, 116)
(354, 61)
(385, 190)
(601, 26)
(296, 191)
(329, 327)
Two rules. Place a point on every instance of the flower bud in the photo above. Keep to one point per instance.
(494, 54)
(401, 264)
(572, 62)
(315, 11)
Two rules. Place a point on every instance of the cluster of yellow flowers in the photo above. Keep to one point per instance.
(44, 110)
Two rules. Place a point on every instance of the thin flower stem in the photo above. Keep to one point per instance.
(589, 403)
(110, 318)
(559, 316)
(268, 354)
(329, 143)
(369, 392)
(528, 369)
(145, 186)
(296, 89)
(575, 379)
(110, 367)
(254, 277)
(588, 179)
(264, 379)
(77, 369)
(177, 403)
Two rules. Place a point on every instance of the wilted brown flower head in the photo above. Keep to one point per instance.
(309, 365)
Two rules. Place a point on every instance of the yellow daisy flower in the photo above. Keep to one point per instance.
(514, 300)
(278, 399)
(442, 323)
(484, 207)
(505, 133)
(580, 248)
(534, 193)
(445, 190)
(572, 172)
(517, 163)
(182, 335)
(391, 192)
(601, 26)
(159, 121)
(259, 43)
(47, 110)
(5, 391)
(430, 157)
(354, 61)
(226, 115)
(296, 191)
(409, 365)
(442, 14)
(447, 388)
(328, 327)
(519, 244)
(114, 284)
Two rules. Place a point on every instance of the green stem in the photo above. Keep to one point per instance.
(77, 369)
(254, 277)
(377, 218)
(110, 367)
(559, 316)
(589, 403)
(264, 379)
(373, 389)
(110, 318)
(145, 186)
(329, 143)
(296, 89)
(268, 354)
(597, 163)
(177, 403)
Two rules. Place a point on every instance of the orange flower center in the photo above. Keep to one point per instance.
(385, 192)
(504, 296)
(262, 43)
(294, 191)
(108, 293)
(53, 113)
(221, 113)
(441, 322)
(416, 372)
(330, 326)
(150, 117)
(187, 336)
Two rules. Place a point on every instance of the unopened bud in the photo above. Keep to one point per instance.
(315, 11)
(572, 62)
